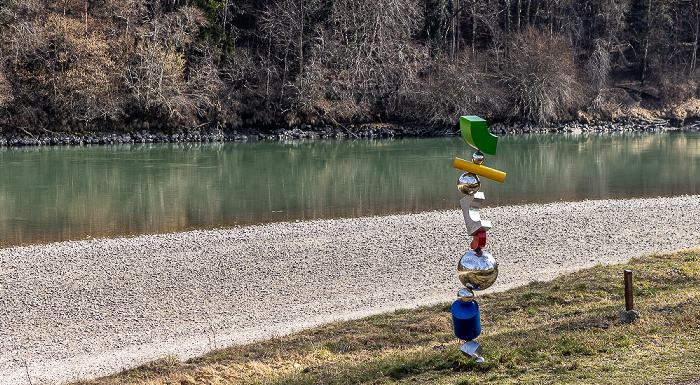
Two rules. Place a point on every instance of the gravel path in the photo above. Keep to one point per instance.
(80, 309)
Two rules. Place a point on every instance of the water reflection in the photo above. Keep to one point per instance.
(54, 193)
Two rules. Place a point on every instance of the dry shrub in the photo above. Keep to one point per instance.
(541, 77)
(156, 73)
(676, 86)
(615, 103)
(5, 90)
(598, 70)
(689, 109)
(350, 69)
(329, 95)
(448, 91)
(86, 79)
(369, 57)
(235, 72)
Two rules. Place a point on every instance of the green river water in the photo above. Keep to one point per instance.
(58, 193)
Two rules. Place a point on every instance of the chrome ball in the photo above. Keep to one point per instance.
(480, 271)
(465, 294)
(468, 183)
(478, 158)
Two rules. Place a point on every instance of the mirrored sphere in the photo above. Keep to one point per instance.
(478, 158)
(465, 294)
(479, 271)
(468, 183)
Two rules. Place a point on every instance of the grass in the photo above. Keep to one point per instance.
(564, 331)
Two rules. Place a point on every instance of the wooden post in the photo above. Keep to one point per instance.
(629, 300)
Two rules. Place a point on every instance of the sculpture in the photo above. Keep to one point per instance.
(477, 269)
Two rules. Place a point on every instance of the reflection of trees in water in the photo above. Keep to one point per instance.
(608, 165)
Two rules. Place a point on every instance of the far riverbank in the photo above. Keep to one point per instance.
(141, 134)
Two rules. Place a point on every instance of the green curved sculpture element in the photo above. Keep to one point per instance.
(477, 135)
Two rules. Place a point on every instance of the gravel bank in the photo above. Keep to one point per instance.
(80, 309)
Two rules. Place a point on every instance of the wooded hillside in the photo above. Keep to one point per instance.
(165, 64)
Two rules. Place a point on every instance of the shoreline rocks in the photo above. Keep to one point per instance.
(305, 132)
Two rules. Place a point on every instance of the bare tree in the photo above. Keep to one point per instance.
(156, 76)
(541, 77)
(6, 97)
(696, 34)
(374, 38)
(599, 66)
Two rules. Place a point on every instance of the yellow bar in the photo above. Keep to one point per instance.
(498, 176)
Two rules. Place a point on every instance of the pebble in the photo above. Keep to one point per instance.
(628, 316)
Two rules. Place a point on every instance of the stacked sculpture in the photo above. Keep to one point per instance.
(477, 269)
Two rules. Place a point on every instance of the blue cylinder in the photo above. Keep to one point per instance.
(466, 320)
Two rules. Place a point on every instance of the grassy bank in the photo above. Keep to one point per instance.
(564, 331)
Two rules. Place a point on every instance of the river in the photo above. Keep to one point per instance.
(59, 193)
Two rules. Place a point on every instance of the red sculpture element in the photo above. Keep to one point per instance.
(479, 241)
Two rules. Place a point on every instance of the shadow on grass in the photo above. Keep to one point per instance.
(395, 367)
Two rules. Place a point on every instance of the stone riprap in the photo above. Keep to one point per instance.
(80, 309)
(304, 132)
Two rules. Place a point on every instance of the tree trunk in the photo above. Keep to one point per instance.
(453, 35)
(506, 26)
(225, 14)
(473, 29)
(646, 43)
(301, 36)
(506, 15)
(693, 62)
(458, 11)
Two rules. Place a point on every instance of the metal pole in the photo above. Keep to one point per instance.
(629, 300)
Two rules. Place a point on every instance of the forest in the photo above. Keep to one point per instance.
(119, 65)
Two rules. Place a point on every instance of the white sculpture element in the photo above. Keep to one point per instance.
(470, 208)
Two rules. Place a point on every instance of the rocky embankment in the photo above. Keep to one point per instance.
(375, 130)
